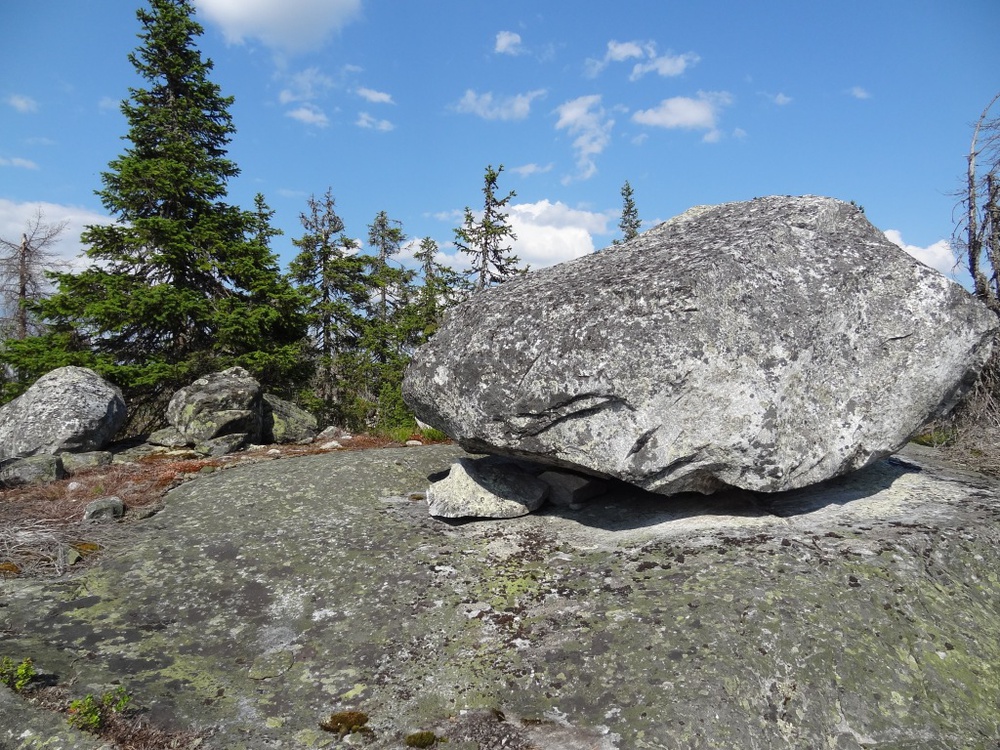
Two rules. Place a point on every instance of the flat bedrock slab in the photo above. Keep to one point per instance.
(765, 345)
(860, 613)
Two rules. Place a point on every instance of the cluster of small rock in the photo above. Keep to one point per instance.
(64, 422)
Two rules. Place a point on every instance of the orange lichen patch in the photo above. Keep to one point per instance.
(9, 569)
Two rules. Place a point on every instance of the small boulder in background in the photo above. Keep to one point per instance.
(70, 409)
(284, 422)
(222, 403)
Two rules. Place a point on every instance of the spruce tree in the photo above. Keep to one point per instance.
(183, 283)
(629, 222)
(332, 275)
(441, 288)
(484, 238)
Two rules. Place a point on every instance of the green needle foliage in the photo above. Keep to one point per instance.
(485, 238)
(183, 283)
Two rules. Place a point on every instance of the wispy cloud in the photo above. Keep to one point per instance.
(373, 96)
(289, 26)
(667, 65)
(508, 43)
(588, 121)
(17, 162)
(365, 120)
(305, 86)
(686, 113)
(309, 114)
(779, 99)
(23, 104)
(488, 107)
(859, 93)
(527, 170)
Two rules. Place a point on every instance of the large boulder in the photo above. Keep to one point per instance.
(222, 403)
(766, 345)
(68, 409)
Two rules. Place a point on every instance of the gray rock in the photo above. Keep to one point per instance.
(765, 345)
(284, 422)
(221, 403)
(39, 469)
(860, 613)
(74, 462)
(68, 409)
(168, 437)
(566, 489)
(222, 445)
(104, 509)
(486, 488)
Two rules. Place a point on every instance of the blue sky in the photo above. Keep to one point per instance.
(399, 106)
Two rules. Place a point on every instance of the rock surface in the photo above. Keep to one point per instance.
(861, 613)
(284, 422)
(38, 469)
(486, 488)
(222, 403)
(765, 345)
(67, 409)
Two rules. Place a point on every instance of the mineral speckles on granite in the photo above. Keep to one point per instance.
(266, 598)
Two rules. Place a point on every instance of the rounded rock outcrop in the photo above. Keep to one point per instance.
(765, 345)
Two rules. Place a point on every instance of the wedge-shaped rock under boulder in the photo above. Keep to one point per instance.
(766, 345)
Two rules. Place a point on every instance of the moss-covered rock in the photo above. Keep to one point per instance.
(266, 598)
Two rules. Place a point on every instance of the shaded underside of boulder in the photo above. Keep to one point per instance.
(861, 613)
(765, 345)
(68, 409)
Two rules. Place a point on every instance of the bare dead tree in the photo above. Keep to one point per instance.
(979, 231)
(23, 265)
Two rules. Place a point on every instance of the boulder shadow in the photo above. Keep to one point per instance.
(625, 507)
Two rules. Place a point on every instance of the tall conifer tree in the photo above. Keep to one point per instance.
(183, 282)
(485, 238)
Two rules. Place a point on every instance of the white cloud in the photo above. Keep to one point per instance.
(667, 65)
(306, 85)
(289, 26)
(859, 93)
(687, 113)
(309, 114)
(780, 99)
(515, 107)
(938, 255)
(23, 104)
(109, 104)
(375, 97)
(585, 118)
(18, 162)
(550, 233)
(527, 170)
(15, 218)
(508, 43)
(547, 233)
(365, 120)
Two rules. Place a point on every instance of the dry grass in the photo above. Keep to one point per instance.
(975, 425)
